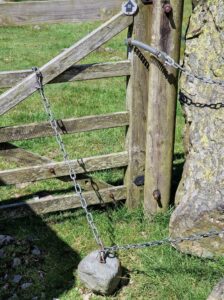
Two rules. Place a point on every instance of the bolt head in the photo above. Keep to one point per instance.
(167, 8)
(156, 195)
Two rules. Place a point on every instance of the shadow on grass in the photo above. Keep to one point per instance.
(50, 272)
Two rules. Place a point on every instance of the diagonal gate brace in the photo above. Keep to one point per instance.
(66, 59)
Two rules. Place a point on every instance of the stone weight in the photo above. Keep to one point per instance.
(101, 278)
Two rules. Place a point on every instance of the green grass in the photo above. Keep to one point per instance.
(153, 273)
(157, 273)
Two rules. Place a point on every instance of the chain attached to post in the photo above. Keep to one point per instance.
(72, 173)
(167, 60)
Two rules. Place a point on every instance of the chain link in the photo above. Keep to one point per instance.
(166, 241)
(188, 101)
(72, 173)
(167, 60)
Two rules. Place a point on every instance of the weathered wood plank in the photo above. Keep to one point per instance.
(22, 157)
(75, 73)
(137, 100)
(12, 153)
(57, 169)
(61, 203)
(74, 125)
(57, 11)
(163, 82)
(63, 61)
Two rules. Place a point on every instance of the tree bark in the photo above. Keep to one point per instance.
(200, 195)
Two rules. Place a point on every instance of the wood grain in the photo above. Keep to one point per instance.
(37, 12)
(75, 73)
(66, 126)
(61, 203)
(166, 36)
(137, 99)
(63, 61)
(57, 169)
(22, 157)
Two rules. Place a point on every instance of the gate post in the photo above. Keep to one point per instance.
(137, 98)
(162, 95)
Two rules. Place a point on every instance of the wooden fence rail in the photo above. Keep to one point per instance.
(56, 11)
(65, 60)
(60, 203)
(57, 169)
(75, 73)
(66, 126)
(62, 69)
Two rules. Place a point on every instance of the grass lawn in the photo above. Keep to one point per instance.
(64, 238)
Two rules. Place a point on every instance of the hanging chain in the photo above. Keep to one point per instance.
(72, 173)
(167, 241)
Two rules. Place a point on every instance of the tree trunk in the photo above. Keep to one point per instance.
(200, 196)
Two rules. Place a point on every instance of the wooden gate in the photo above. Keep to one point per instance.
(63, 68)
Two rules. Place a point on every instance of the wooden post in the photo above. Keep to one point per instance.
(166, 36)
(137, 98)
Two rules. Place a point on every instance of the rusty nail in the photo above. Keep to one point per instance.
(167, 8)
(156, 195)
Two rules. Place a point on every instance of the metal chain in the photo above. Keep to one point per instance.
(193, 237)
(78, 190)
(167, 60)
(72, 173)
(188, 101)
